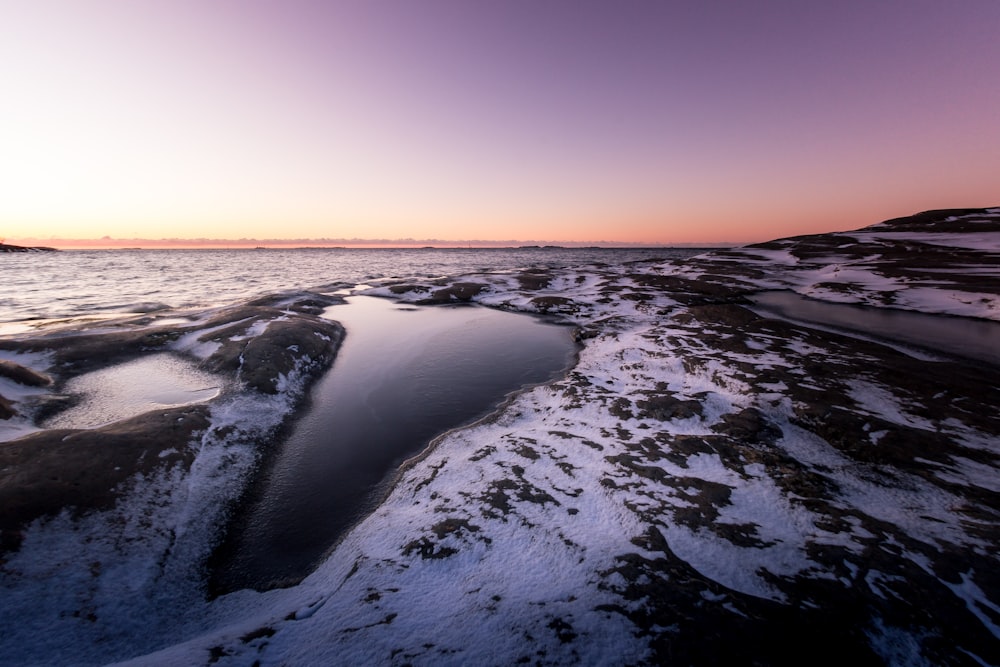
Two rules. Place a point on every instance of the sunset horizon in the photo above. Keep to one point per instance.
(471, 332)
(205, 243)
(109, 242)
(643, 124)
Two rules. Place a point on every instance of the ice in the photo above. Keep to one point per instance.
(190, 343)
(130, 389)
(989, 241)
(507, 538)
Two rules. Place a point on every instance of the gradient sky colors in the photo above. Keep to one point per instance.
(636, 121)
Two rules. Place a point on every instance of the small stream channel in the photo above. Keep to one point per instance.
(402, 376)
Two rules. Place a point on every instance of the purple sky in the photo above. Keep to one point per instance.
(588, 121)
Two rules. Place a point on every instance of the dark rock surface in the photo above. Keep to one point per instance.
(22, 375)
(6, 408)
(708, 486)
(879, 535)
(83, 470)
(4, 247)
(260, 347)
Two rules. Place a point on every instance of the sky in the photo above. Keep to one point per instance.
(635, 121)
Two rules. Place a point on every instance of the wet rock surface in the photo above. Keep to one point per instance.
(276, 345)
(23, 375)
(83, 470)
(706, 486)
(779, 478)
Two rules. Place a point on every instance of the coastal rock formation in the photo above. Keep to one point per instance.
(714, 477)
(51, 471)
(710, 480)
(20, 375)
(270, 348)
(6, 408)
(23, 375)
(4, 247)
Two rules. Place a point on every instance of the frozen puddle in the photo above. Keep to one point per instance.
(403, 375)
(962, 336)
(132, 388)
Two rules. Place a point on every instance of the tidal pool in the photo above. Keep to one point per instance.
(402, 376)
(962, 336)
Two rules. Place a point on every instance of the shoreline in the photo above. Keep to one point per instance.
(764, 477)
(385, 398)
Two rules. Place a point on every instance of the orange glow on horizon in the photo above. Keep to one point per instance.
(656, 124)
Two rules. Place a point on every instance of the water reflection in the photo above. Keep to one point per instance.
(402, 376)
(962, 336)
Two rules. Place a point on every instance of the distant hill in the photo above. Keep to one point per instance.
(19, 248)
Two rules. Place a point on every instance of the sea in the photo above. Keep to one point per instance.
(61, 288)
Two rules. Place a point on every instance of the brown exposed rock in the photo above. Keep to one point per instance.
(43, 473)
(6, 409)
(23, 375)
(457, 292)
(545, 304)
(664, 407)
(261, 360)
(534, 280)
(748, 426)
(86, 351)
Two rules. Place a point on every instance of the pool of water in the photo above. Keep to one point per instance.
(130, 389)
(403, 376)
(960, 336)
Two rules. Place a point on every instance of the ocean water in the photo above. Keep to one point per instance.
(51, 288)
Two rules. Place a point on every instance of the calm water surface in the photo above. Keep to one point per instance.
(403, 376)
(963, 336)
(37, 287)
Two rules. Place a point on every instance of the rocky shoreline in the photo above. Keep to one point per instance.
(705, 484)
(84, 470)
(4, 247)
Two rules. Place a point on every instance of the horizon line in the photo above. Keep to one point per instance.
(107, 242)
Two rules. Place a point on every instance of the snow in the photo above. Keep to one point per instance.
(988, 241)
(505, 540)
(978, 603)
(21, 395)
(191, 343)
(879, 401)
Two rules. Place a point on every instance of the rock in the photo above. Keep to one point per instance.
(17, 248)
(82, 352)
(6, 409)
(460, 292)
(23, 375)
(282, 346)
(261, 360)
(544, 304)
(664, 407)
(534, 280)
(43, 473)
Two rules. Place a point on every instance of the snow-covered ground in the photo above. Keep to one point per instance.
(705, 484)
